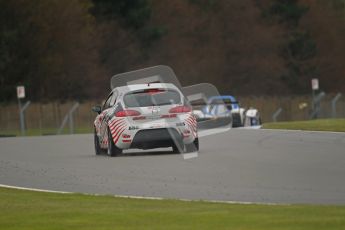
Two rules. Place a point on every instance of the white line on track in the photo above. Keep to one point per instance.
(33, 189)
(138, 197)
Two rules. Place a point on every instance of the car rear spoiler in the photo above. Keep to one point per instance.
(155, 74)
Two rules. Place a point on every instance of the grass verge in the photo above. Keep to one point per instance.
(335, 125)
(36, 210)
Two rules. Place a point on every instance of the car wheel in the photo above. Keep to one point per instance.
(193, 147)
(112, 149)
(98, 149)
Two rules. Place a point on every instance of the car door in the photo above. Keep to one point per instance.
(104, 117)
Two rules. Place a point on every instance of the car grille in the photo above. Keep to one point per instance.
(155, 138)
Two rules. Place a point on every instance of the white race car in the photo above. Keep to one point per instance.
(145, 116)
(226, 105)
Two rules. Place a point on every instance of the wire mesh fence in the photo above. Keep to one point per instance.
(294, 108)
(46, 118)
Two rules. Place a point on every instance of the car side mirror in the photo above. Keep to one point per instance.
(97, 109)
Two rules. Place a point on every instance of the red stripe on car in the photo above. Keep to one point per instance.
(112, 124)
(117, 130)
(119, 135)
(116, 126)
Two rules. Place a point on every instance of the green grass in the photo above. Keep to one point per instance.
(37, 210)
(335, 125)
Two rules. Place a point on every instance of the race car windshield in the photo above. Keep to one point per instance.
(152, 97)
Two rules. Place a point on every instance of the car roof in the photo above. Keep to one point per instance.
(129, 88)
(232, 98)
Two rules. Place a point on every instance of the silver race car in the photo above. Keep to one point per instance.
(145, 116)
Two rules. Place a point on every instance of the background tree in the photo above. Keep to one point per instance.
(69, 49)
(50, 47)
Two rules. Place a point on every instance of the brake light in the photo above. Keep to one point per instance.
(180, 109)
(127, 113)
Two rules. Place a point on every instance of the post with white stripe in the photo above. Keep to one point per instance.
(314, 87)
(21, 95)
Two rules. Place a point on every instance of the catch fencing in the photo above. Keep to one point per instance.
(47, 118)
(294, 108)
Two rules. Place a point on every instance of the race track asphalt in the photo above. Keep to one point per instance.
(263, 166)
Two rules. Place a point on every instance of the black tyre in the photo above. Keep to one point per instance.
(112, 149)
(193, 147)
(98, 149)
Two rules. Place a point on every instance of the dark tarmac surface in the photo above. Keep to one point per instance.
(238, 165)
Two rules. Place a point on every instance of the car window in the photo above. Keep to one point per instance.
(150, 97)
(113, 99)
(107, 102)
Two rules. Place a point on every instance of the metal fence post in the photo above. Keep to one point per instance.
(22, 116)
(316, 108)
(69, 117)
(334, 104)
(276, 114)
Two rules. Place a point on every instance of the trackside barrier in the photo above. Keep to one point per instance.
(334, 104)
(69, 117)
(276, 114)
